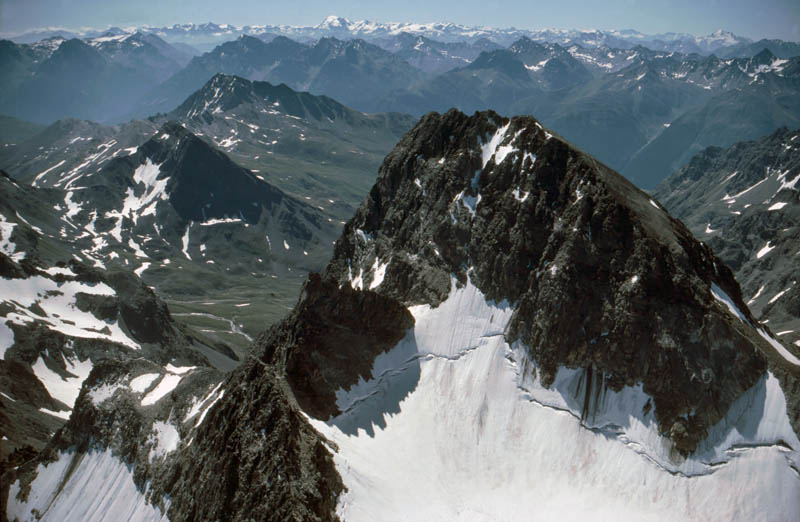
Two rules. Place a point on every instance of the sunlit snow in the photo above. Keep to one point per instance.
(454, 425)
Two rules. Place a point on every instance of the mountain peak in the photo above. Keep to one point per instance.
(721, 33)
(221, 93)
(763, 57)
(507, 206)
(334, 22)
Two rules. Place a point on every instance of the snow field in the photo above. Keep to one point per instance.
(473, 437)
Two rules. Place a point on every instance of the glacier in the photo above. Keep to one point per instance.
(454, 425)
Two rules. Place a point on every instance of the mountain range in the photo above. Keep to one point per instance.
(206, 36)
(645, 112)
(96, 79)
(646, 116)
(316, 155)
(330, 67)
(568, 320)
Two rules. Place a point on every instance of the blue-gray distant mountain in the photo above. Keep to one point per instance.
(779, 48)
(205, 36)
(96, 79)
(497, 79)
(641, 111)
(434, 56)
(745, 99)
(353, 72)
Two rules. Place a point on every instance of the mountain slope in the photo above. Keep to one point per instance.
(310, 146)
(13, 130)
(60, 318)
(68, 148)
(206, 233)
(501, 308)
(743, 201)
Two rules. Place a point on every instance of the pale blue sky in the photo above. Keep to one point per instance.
(752, 18)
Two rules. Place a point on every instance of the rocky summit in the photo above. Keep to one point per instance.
(507, 329)
(599, 275)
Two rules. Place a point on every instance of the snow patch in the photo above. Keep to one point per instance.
(520, 197)
(63, 389)
(777, 206)
(141, 383)
(165, 386)
(185, 242)
(6, 338)
(720, 295)
(180, 370)
(164, 439)
(786, 354)
(764, 250)
(58, 303)
(60, 414)
(778, 295)
(489, 148)
(753, 299)
(378, 273)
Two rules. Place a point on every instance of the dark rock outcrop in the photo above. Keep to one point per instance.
(331, 339)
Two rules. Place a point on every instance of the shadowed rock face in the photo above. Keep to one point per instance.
(331, 340)
(255, 458)
(602, 278)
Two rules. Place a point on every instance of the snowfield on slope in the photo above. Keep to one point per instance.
(114, 494)
(453, 426)
(58, 302)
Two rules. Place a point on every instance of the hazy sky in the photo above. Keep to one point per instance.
(752, 18)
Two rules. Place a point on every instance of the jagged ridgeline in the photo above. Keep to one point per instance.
(507, 330)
